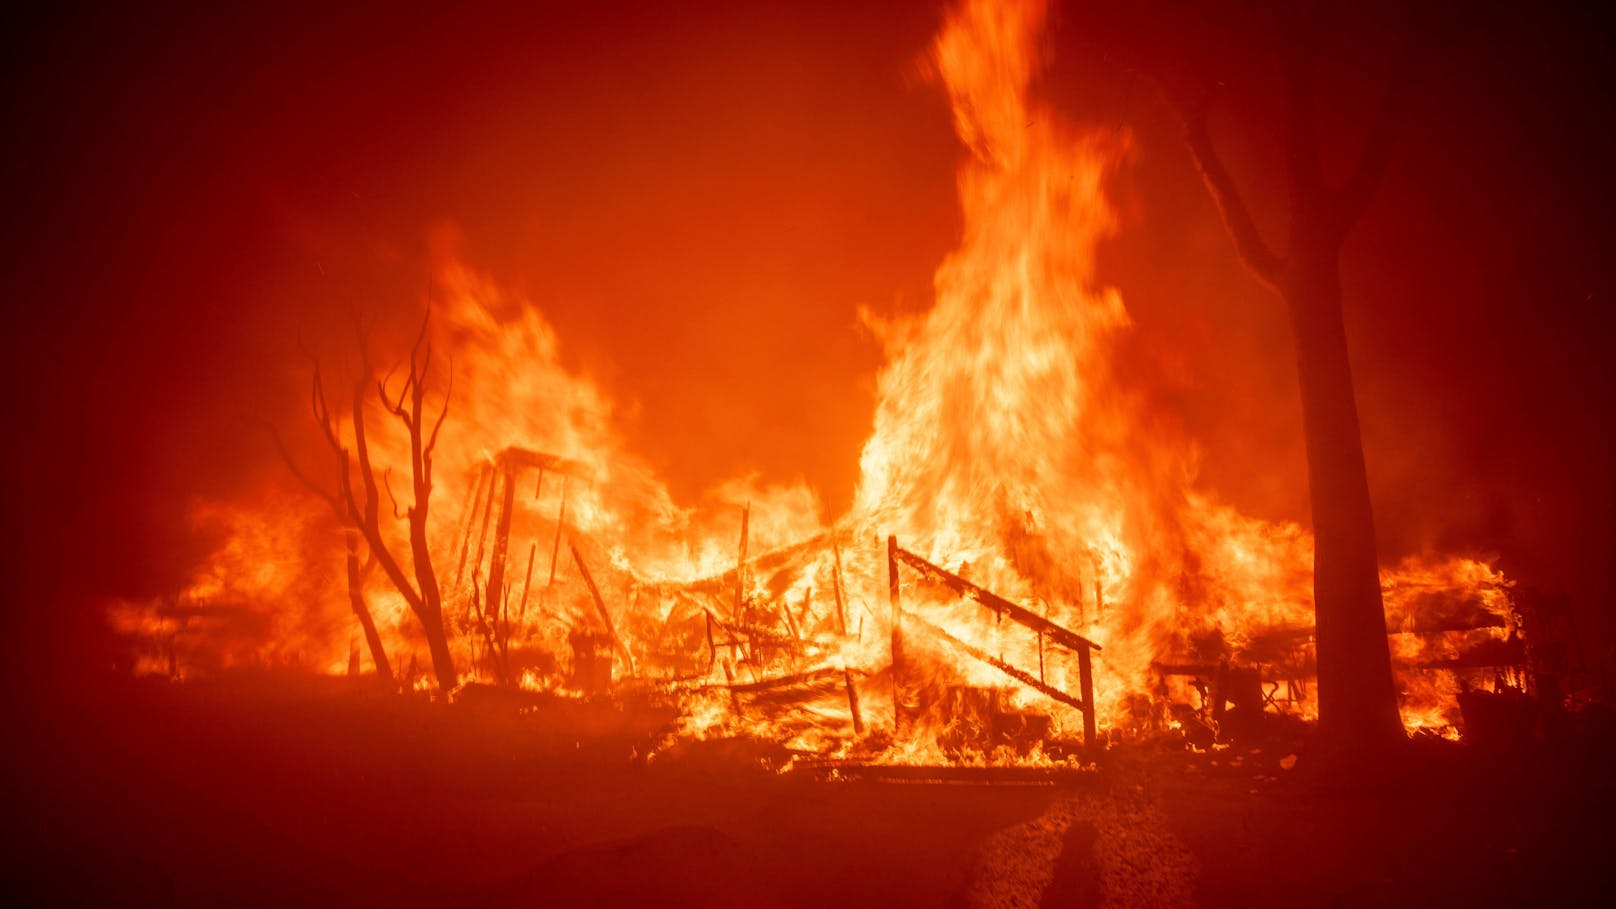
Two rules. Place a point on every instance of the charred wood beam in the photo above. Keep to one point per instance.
(532, 550)
(1085, 681)
(486, 628)
(482, 532)
(810, 677)
(803, 613)
(740, 566)
(836, 587)
(473, 506)
(527, 580)
(600, 604)
(494, 608)
(515, 459)
(1099, 590)
(774, 700)
(897, 628)
(1026, 678)
(747, 633)
(790, 620)
(712, 645)
(991, 600)
(734, 698)
(555, 547)
(853, 702)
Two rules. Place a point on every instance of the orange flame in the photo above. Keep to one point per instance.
(1005, 448)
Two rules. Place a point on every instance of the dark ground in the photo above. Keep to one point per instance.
(285, 791)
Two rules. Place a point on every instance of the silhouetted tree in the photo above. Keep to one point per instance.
(359, 505)
(1357, 694)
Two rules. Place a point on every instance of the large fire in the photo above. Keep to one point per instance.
(1028, 551)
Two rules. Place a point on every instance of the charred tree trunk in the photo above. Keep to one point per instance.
(410, 408)
(1357, 695)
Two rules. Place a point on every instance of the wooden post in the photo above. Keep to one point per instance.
(494, 608)
(465, 538)
(600, 604)
(532, 550)
(712, 647)
(1099, 595)
(740, 568)
(482, 532)
(897, 628)
(836, 584)
(791, 622)
(555, 547)
(1085, 672)
(738, 617)
(734, 696)
(853, 702)
(802, 614)
(527, 583)
(1041, 677)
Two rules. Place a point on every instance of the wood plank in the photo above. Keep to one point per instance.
(993, 601)
(1026, 678)
(600, 604)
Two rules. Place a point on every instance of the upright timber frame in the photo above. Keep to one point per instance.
(494, 495)
(1047, 631)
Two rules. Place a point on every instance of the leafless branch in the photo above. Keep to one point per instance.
(322, 409)
(448, 393)
(425, 368)
(329, 498)
(1303, 33)
(1353, 197)
(1248, 242)
(393, 407)
(387, 484)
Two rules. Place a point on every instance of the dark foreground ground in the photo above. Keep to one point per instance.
(291, 792)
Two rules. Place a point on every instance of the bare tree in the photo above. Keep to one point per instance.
(360, 506)
(1357, 694)
(357, 572)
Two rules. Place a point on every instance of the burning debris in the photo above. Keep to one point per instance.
(1062, 580)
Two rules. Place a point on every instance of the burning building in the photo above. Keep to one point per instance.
(1029, 565)
(745, 454)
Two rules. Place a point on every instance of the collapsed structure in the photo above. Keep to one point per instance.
(1028, 566)
(786, 644)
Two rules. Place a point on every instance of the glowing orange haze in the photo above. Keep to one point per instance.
(1004, 447)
